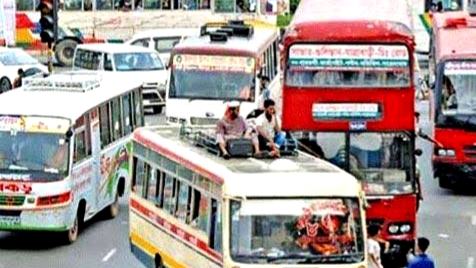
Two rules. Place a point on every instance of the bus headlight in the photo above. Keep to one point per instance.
(441, 152)
(450, 152)
(393, 229)
(446, 152)
(405, 228)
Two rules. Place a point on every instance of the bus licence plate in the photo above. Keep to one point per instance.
(10, 220)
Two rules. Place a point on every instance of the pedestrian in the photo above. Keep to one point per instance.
(18, 80)
(421, 260)
(373, 246)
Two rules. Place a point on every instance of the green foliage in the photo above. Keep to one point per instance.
(293, 4)
(283, 20)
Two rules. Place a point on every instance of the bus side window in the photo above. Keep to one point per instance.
(195, 208)
(168, 192)
(105, 125)
(138, 109)
(80, 140)
(215, 237)
(160, 189)
(183, 201)
(138, 173)
(127, 109)
(116, 119)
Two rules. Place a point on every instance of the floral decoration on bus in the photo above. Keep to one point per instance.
(114, 165)
(214, 63)
(349, 65)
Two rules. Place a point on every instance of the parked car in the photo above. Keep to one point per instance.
(12, 59)
(162, 40)
(121, 61)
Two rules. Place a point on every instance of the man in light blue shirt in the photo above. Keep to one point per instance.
(422, 260)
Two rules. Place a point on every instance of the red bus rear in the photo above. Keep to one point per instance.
(453, 100)
(349, 82)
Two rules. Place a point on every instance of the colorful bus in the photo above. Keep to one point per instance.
(349, 87)
(225, 63)
(65, 151)
(453, 100)
(191, 208)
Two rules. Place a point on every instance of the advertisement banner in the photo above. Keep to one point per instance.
(214, 63)
(460, 68)
(352, 57)
(33, 124)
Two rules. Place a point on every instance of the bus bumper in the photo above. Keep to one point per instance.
(396, 256)
(450, 174)
(54, 219)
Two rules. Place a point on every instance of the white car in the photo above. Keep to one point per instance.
(162, 40)
(12, 59)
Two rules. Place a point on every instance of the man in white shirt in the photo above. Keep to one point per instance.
(373, 246)
(268, 126)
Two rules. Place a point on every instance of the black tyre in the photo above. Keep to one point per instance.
(5, 85)
(444, 183)
(113, 209)
(64, 52)
(73, 232)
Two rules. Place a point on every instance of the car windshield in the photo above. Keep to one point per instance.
(27, 152)
(296, 231)
(458, 88)
(212, 77)
(13, 57)
(382, 161)
(138, 61)
(370, 66)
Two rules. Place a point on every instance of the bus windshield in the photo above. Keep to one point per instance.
(26, 152)
(138, 61)
(382, 161)
(458, 88)
(356, 66)
(212, 77)
(297, 231)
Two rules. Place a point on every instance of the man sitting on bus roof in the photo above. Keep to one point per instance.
(269, 129)
(233, 126)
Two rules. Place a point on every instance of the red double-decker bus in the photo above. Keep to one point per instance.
(453, 100)
(349, 83)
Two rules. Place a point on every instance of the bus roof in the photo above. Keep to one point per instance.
(235, 45)
(114, 48)
(359, 20)
(451, 26)
(59, 103)
(248, 176)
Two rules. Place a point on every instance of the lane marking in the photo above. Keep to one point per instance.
(470, 262)
(109, 255)
(443, 235)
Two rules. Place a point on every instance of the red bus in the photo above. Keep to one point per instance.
(349, 84)
(453, 99)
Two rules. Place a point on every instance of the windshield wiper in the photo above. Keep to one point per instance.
(343, 258)
(14, 166)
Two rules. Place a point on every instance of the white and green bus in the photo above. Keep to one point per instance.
(65, 150)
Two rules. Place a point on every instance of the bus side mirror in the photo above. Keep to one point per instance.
(418, 152)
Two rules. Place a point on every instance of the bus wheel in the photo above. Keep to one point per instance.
(113, 209)
(158, 261)
(444, 183)
(5, 85)
(64, 52)
(72, 233)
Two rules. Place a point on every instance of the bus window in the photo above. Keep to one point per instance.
(160, 193)
(139, 172)
(168, 193)
(116, 119)
(183, 201)
(138, 111)
(204, 213)
(152, 184)
(195, 206)
(105, 127)
(216, 227)
(108, 62)
(127, 109)
(80, 149)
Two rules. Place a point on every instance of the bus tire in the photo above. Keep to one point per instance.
(158, 261)
(113, 209)
(73, 233)
(5, 85)
(444, 183)
(64, 51)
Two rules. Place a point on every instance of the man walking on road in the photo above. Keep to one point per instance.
(422, 260)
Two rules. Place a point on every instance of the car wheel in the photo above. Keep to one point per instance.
(5, 85)
(64, 52)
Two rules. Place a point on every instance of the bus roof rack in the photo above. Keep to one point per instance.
(223, 30)
(66, 82)
(201, 136)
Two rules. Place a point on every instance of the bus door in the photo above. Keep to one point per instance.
(96, 156)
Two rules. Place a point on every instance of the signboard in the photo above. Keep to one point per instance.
(348, 57)
(214, 63)
(460, 67)
(346, 111)
(33, 124)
